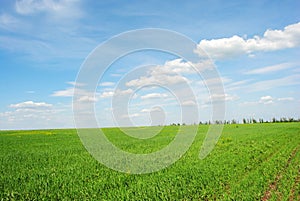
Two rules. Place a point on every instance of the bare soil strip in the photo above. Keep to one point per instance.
(292, 193)
(273, 185)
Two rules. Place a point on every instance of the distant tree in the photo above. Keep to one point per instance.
(261, 120)
(283, 119)
(233, 121)
(254, 121)
(244, 121)
(218, 122)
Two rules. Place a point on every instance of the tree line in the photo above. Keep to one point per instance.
(244, 121)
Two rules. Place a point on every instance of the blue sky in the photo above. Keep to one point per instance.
(253, 44)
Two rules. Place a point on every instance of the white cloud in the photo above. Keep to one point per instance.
(286, 99)
(154, 95)
(266, 100)
(135, 96)
(59, 9)
(269, 69)
(135, 115)
(251, 86)
(8, 22)
(87, 99)
(160, 79)
(124, 92)
(131, 115)
(107, 94)
(31, 105)
(33, 47)
(274, 83)
(36, 115)
(167, 74)
(272, 40)
(69, 92)
(30, 92)
(106, 84)
(170, 73)
(215, 81)
(146, 110)
(154, 109)
(221, 97)
(116, 75)
(189, 103)
(237, 85)
(179, 66)
(77, 84)
(117, 92)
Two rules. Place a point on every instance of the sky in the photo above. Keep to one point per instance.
(254, 46)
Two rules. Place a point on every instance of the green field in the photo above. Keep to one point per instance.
(250, 162)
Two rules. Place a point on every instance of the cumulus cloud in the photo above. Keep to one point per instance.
(154, 95)
(30, 105)
(272, 40)
(106, 84)
(266, 100)
(69, 92)
(30, 114)
(87, 99)
(179, 66)
(117, 92)
(154, 78)
(170, 73)
(223, 97)
(154, 109)
(107, 94)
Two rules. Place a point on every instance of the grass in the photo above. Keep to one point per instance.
(250, 162)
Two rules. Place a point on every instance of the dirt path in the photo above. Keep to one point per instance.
(273, 186)
(292, 193)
